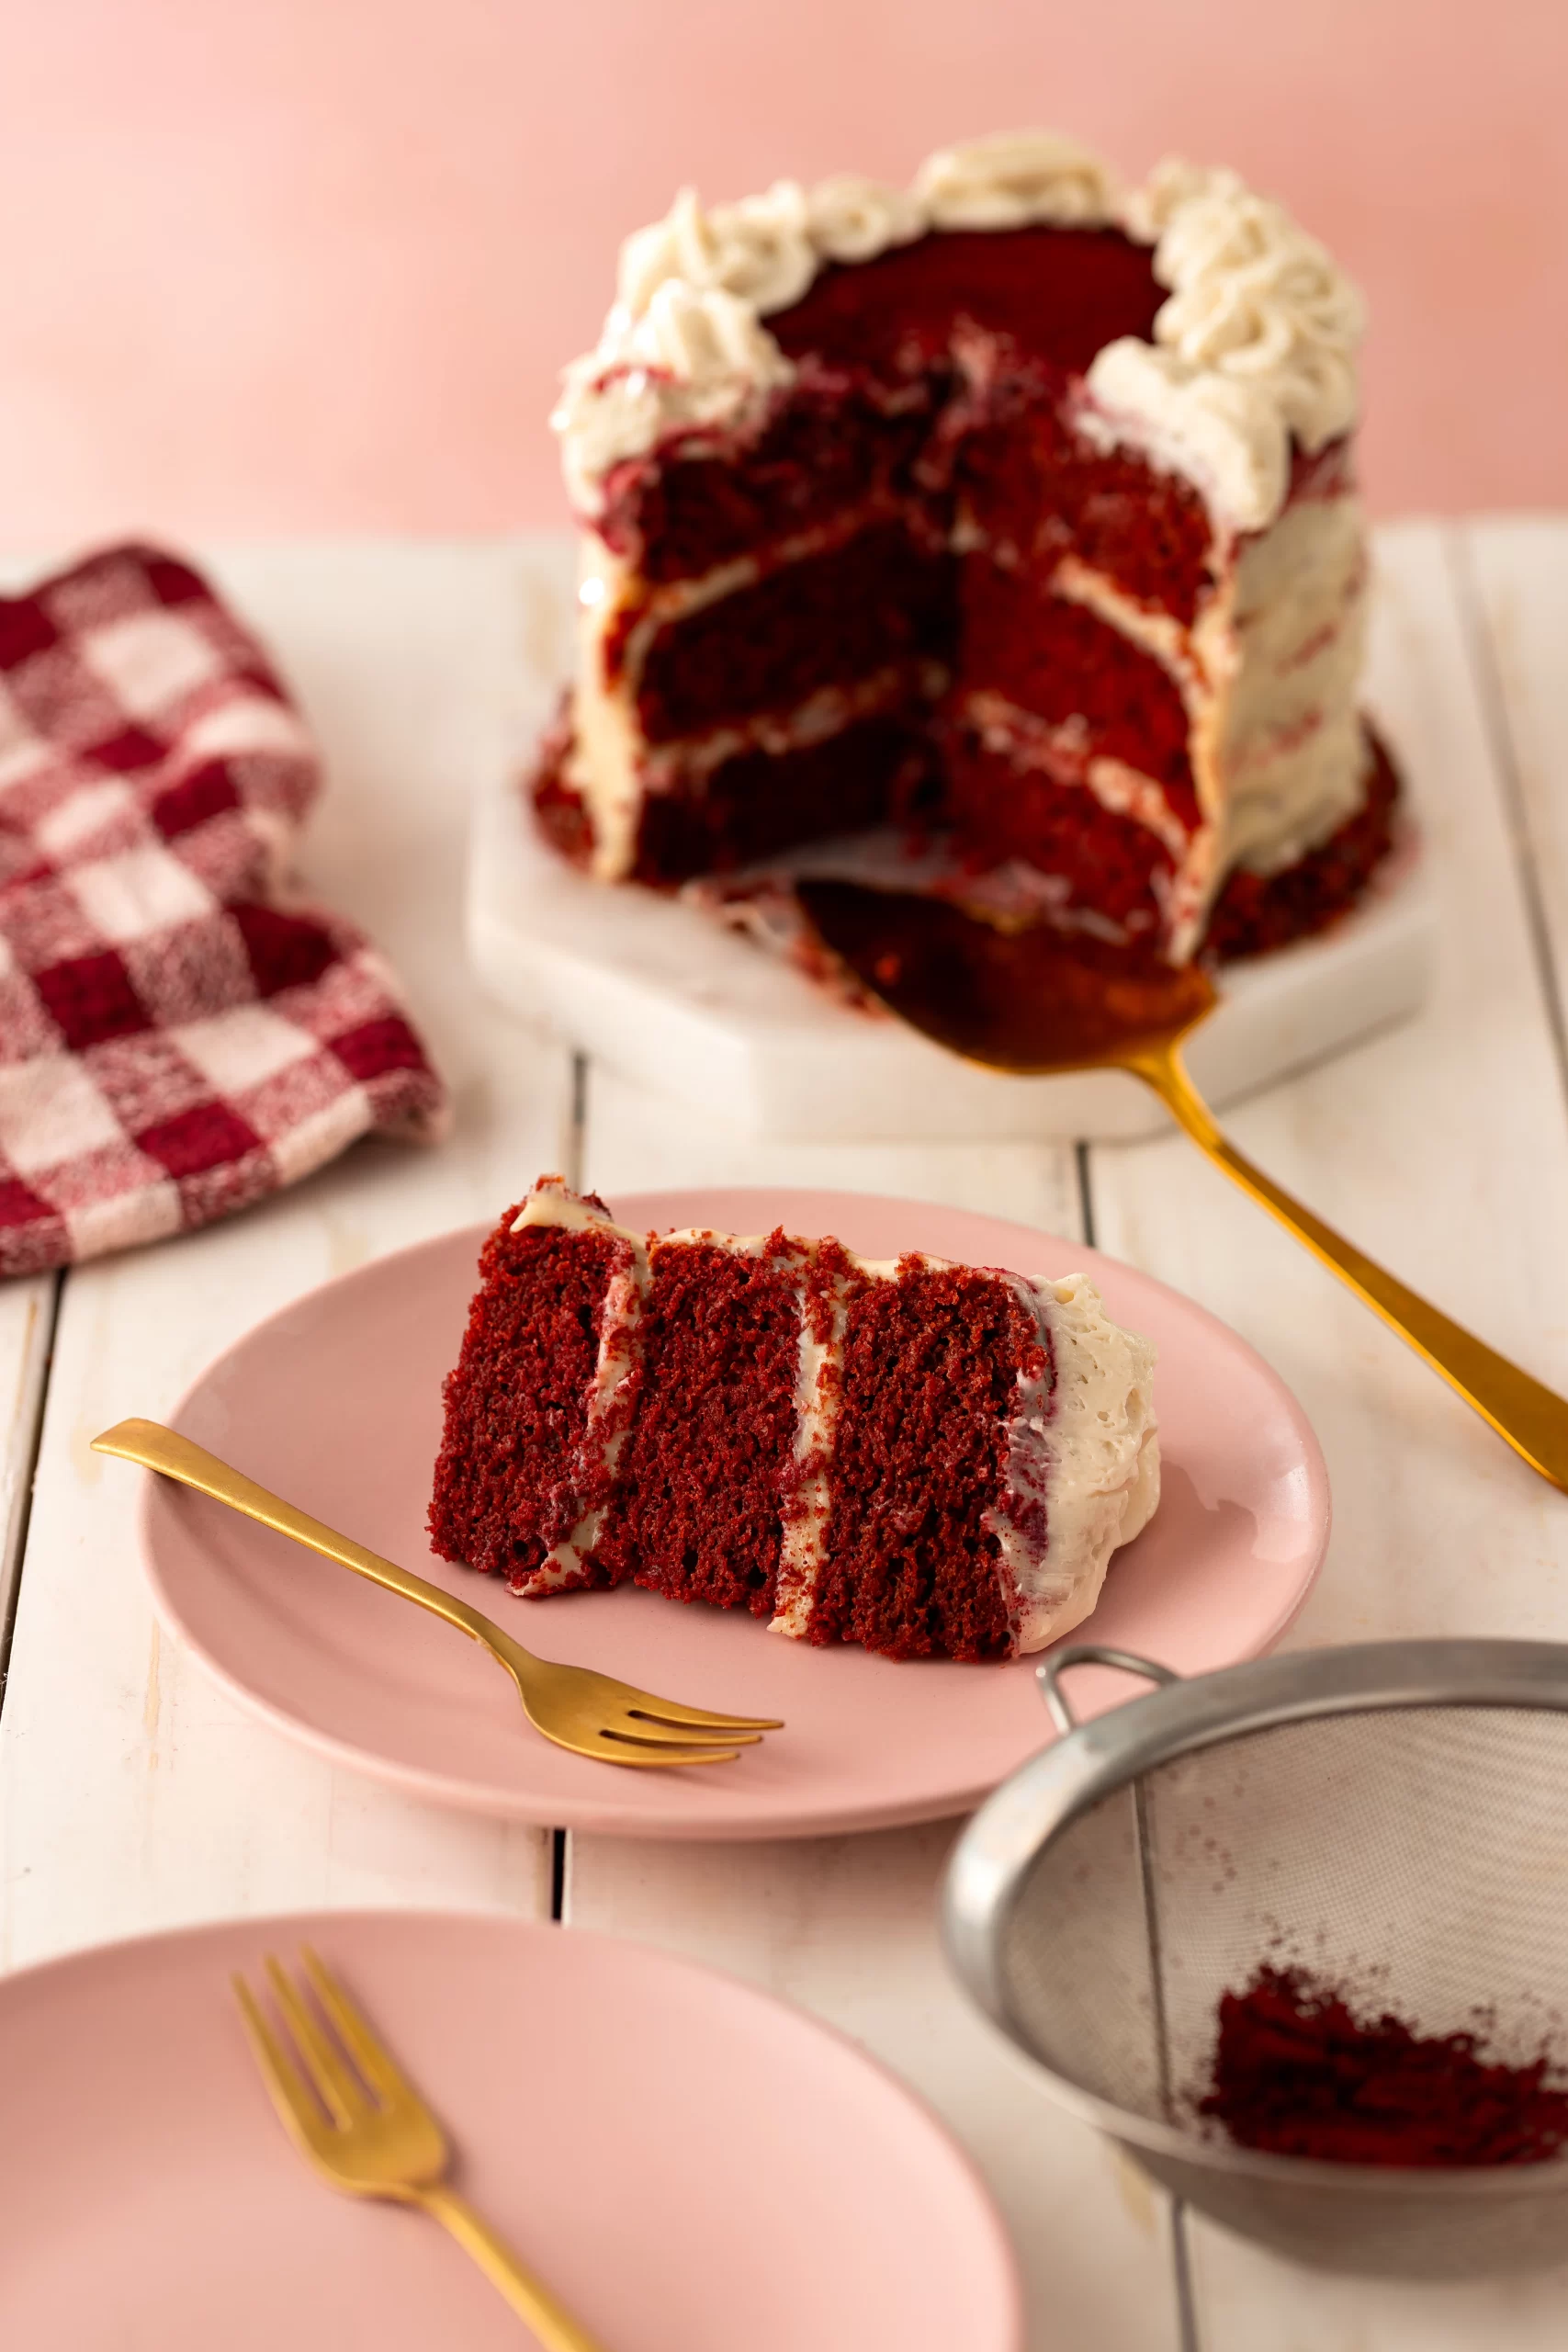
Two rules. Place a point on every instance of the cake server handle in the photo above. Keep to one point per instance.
(1525, 1413)
(173, 1456)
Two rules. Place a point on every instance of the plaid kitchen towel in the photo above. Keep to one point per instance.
(178, 1034)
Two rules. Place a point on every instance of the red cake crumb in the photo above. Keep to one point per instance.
(558, 805)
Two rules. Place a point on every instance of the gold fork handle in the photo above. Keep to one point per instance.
(173, 1456)
(529, 2297)
(1531, 1418)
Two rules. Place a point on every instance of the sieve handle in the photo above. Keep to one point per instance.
(1049, 1675)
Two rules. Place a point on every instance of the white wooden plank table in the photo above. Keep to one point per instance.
(133, 1794)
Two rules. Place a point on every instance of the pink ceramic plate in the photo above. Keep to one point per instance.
(793, 2195)
(336, 1403)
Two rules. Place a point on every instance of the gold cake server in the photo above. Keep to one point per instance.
(1037, 1003)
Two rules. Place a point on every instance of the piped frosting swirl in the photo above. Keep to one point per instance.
(1014, 178)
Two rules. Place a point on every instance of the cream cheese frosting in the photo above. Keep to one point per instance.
(1087, 1447)
(1255, 345)
(1081, 1445)
(1016, 177)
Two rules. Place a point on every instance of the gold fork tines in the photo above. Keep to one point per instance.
(349, 2107)
(591, 1714)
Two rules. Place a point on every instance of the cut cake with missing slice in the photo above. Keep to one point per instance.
(928, 1459)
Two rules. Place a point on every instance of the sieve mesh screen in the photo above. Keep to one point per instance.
(1416, 1856)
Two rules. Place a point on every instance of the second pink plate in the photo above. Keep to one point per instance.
(691, 2166)
(336, 1404)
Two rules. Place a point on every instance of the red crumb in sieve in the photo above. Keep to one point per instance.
(1297, 2073)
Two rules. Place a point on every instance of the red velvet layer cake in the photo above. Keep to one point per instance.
(928, 1459)
(1028, 515)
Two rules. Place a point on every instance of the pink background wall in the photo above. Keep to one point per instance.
(311, 265)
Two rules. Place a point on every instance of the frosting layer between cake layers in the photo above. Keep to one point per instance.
(923, 1457)
(1029, 512)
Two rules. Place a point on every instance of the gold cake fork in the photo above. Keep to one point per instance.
(591, 1714)
(352, 2113)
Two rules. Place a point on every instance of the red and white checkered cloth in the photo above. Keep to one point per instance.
(178, 1035)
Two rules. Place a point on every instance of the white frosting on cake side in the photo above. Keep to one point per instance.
(1291, 748)
(818, 1396)
(1083, 1455)
(604, 760)
(1256, 343)
(1081, 1458)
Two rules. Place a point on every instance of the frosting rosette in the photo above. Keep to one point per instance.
(759, 250)
(692, 358)
(1254, 297)
(855, 219)
(1014, 178)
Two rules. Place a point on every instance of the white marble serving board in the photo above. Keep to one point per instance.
(664, 994)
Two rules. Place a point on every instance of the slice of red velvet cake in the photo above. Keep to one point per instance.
(931, 1460)
(1019, 505)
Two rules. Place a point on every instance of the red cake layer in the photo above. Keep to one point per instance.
(830, 445)
(930, 1364)
(1060, 660)
(699, 1493)
(1104, 862)
(509, 1479)
(757, 803)
(828, 620)
(1033, 491)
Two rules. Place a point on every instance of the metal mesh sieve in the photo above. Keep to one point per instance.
(1393, 1816)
